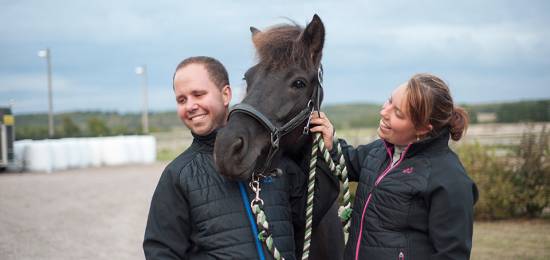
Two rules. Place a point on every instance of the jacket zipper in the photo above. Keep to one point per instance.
(378, 180)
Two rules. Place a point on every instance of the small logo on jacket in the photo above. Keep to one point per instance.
(408, 170)
(266, 180)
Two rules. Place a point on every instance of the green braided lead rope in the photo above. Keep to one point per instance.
(344, 212)
(264, 235)
(310, 195)
(341, 172)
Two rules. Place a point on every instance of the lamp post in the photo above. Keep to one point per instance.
(142, 70)
(47, 55)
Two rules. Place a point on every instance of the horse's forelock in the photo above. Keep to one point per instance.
(277, 47)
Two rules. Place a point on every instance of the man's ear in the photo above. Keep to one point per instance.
(226, 95)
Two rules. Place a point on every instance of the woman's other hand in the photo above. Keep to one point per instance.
(322, 125)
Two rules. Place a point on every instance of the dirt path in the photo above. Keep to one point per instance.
(97, 213)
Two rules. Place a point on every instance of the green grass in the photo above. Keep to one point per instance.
(166, 155)
(512, 239)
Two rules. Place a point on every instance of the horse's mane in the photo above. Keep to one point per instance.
(278, 47)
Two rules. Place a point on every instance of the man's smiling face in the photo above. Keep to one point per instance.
(202, 106)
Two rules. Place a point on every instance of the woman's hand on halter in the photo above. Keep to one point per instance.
(322, 125)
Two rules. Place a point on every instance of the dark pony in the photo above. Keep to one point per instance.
(279, 87)
(282, 90)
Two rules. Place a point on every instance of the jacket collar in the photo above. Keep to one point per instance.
(433, 143)
(205, 140)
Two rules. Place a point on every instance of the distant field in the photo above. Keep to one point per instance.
(171, 143)
(489, 134)
(350, 115)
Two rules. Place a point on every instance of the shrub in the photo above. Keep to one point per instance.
(97, 127)
(531, 174)
(492, 177)
(69, 128)
(512, 185)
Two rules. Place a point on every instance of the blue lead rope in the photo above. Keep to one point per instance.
(251, 219)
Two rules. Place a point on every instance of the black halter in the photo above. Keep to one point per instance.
(276, 133)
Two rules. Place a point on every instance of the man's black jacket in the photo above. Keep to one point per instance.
(198, 214)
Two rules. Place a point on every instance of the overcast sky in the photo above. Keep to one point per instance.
(486, 50)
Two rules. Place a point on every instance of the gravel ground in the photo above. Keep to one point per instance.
(96, 213)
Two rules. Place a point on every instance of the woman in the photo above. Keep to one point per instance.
(414, 199)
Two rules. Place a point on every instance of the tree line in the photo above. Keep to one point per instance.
(343, 116)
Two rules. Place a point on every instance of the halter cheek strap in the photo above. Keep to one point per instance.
(276, 133)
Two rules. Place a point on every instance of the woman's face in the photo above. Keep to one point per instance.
(396, 126)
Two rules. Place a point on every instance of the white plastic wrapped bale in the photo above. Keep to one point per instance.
(133, 149)
(140, 149)
(84, 149)
(113, 151)
(19, 149)
(149, 148)
(94, 145)
(38, 156)
(74, 154)
(59, 155)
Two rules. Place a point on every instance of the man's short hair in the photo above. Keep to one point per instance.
(216, 71)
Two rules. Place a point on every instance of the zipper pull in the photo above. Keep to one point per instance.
(401, 256)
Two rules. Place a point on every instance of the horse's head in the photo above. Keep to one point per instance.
(282, 90)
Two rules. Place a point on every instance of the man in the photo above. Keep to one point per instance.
(198, 214)
(195, 212)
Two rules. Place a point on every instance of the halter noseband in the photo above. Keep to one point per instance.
(276, 133)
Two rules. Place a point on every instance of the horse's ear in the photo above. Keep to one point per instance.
(313, 38)
(254, 31)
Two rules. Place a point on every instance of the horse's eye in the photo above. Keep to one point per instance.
(299, 84)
